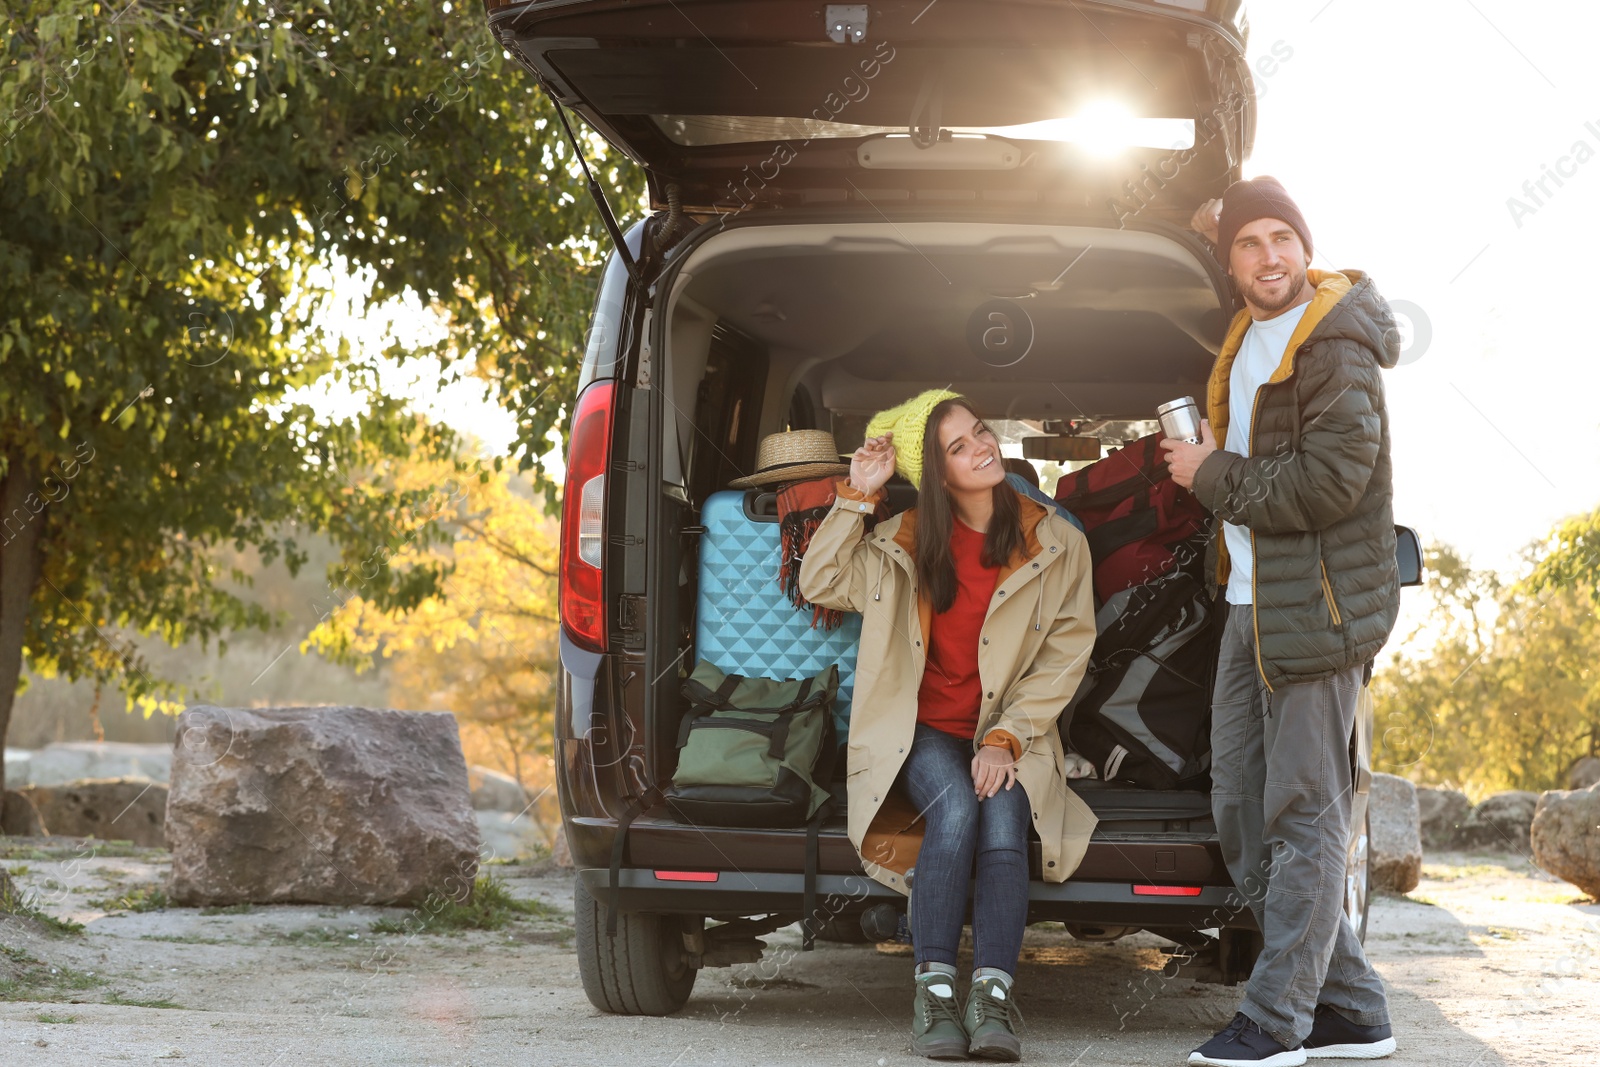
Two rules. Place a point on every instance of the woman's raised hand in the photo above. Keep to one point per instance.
(872, 464)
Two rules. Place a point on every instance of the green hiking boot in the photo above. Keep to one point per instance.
(936, 1030)
(991, 1020)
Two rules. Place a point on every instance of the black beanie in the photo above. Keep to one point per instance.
(1258, 198)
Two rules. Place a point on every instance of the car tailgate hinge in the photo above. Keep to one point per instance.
(630, 611)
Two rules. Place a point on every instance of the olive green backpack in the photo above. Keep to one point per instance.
(754, 751)
(751, 752)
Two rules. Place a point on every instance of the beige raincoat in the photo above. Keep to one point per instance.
(1033, 651)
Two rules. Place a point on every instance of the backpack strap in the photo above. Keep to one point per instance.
(822, 775)
(808, 899)
(637, 806)
(701, 706)
(1107, 537)
(719, 699)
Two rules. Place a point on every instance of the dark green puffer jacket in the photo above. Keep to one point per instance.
(1316, 491)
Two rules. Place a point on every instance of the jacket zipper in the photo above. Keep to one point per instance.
(1327, 593)
(1255, 613)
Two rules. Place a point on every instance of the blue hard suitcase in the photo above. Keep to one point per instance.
(744, 624)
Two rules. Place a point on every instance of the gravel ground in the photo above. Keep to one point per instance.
(1488, 962)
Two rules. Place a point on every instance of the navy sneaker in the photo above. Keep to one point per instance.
(1242, 1043)
(1334, 1037)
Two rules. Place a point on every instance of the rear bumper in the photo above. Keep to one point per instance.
(745, 893)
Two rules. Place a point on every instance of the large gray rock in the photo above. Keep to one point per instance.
(1566, 836)
(1501, 822)
(1395, 844)
(319, 805)
(1584, 772)
(74, 761)
(493, 791)
(19, 817)
(503, 835)
(1443, 811)
(112, 809)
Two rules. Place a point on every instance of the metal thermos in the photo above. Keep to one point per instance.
(1180, 419)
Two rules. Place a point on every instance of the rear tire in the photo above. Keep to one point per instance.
(644, 970)
(1358, 880)
(1237, 951)
(843, 930)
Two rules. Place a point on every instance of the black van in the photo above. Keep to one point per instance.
(855, 202)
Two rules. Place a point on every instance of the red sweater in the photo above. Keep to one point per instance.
(951, 691)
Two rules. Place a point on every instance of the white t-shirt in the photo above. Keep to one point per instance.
(1259, 355)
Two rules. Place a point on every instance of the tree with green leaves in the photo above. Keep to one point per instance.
(178, 182)
(1508, 695)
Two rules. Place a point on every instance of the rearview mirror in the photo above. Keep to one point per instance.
(1408, 555)
(1061, 449)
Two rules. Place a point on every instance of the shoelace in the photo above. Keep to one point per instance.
(1241, 1022)
(945, 1006)
(992, 1009)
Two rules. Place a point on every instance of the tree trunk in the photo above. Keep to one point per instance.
(21, 551)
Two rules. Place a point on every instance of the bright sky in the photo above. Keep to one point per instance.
(1403, 130)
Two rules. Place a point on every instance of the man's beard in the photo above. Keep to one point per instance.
(1291, 292)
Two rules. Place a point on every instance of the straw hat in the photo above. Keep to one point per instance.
(792, 457)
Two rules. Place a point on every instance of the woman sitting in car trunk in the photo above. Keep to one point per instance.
(978, 621)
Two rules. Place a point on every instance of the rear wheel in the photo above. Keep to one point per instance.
(1358, 880)
(844, 930)
(643, 970)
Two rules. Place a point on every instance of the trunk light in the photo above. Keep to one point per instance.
(686, 876)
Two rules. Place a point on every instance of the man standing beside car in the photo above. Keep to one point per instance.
(1302, 490)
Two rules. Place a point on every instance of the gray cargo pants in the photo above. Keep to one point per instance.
(1281, 793)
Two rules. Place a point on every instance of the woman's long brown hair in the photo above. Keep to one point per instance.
(936, 570)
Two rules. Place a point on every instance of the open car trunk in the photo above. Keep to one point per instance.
(821, 324)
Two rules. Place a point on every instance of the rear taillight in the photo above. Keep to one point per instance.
(1166, 890)
(686, 876)
(583, 528)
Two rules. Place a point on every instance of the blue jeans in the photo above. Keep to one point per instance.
(937, 776)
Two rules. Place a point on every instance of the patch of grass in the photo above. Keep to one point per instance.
(20, 870)
(229, 909)
(46, 1017)
(183, 939)
(321, 935)
(34, 979)
(25, 905)
(145, 898)
(23, 852)
(492, 907)
(130, 1002)
(91, 848)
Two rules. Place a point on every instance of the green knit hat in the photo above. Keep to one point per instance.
(909, 422)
